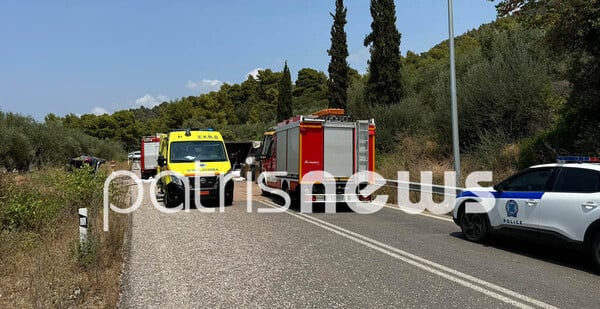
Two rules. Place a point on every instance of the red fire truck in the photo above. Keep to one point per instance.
(149, 156)
(328, 141)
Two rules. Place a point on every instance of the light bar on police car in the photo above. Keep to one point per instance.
(578, 159)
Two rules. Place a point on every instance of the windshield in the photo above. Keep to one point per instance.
(205, 151)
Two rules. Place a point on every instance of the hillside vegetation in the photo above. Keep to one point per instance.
(522, 99)
(26, 144)
(511, 93)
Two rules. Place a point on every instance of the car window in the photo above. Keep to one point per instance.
(577, 180)
(268, 143)
(532, 180)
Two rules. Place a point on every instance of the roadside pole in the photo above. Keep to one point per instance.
(83, 226)
(455, 143)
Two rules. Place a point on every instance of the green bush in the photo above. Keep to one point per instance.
(33, 201)
(26, 209)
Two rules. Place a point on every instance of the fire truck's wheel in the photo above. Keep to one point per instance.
(285, 188)
(294, 196)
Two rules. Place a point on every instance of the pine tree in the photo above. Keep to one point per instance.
(338, 81)
(384, 85)
(284, 102)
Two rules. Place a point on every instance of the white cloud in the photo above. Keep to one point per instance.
(204, 86)
(150, 101)
(99, 111)
(146, 100)
(254, 72)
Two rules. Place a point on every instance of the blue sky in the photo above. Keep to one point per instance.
(71, 56)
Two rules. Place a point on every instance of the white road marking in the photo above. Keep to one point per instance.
(453, 275)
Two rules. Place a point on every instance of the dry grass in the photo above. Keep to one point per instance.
(42, 267)
(417, 154)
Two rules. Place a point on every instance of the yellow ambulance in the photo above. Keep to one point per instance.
(196, 159)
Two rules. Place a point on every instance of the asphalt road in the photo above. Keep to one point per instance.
(387, 259)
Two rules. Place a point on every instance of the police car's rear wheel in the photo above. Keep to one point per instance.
(596, 251)
(474, 226)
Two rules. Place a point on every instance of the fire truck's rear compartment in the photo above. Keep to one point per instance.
(333, 149)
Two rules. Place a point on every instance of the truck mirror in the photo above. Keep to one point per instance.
(161, 161)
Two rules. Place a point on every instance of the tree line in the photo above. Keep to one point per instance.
(527, 89)
(26, 144)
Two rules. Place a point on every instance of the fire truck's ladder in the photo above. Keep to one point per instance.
(363, 145)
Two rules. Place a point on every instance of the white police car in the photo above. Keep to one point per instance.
(560, 200)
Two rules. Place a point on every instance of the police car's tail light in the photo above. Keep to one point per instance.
(577, 159)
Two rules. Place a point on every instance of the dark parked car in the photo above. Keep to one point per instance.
(80, 161)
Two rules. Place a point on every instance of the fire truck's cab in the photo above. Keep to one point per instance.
(267, 152)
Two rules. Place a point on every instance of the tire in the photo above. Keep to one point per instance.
(474, 226)
(229, 197)
(166, 199)
(170, 201)
(596, 251)
(294, 197)
(279, 200)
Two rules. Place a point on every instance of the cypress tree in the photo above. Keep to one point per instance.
(338, 81)
(384, 85)
(284, 102)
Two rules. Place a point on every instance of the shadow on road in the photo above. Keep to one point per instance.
(316, 208)
(559, 254)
